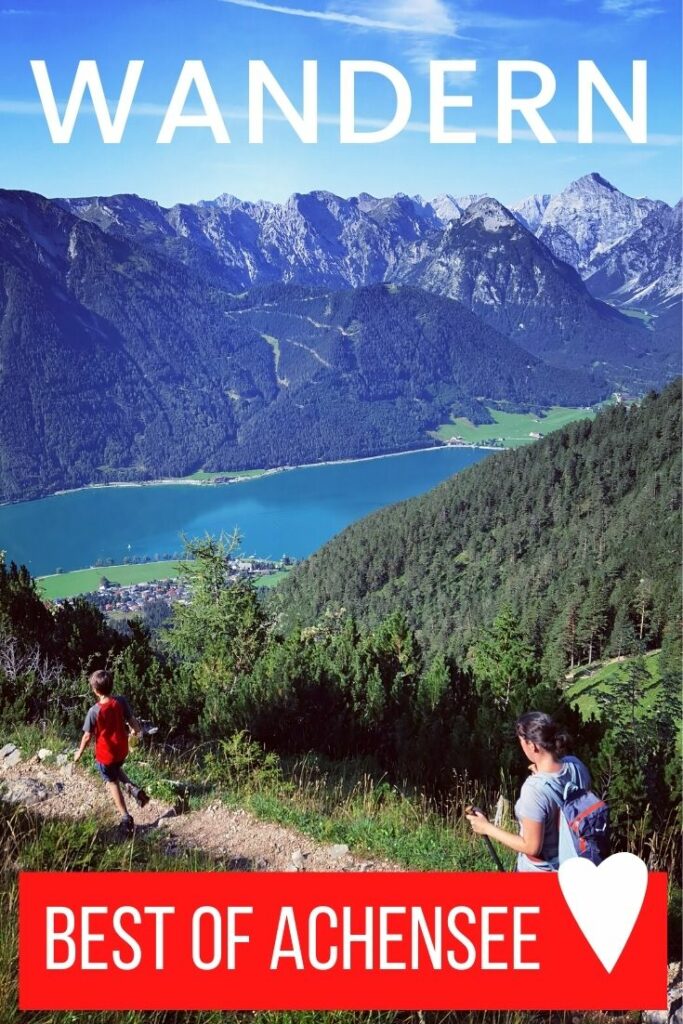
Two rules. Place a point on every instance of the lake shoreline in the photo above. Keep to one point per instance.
(181, 481)
(293, 514)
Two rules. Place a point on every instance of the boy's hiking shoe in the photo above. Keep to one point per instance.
(138, 794)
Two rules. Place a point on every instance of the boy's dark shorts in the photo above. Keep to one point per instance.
(110, 772)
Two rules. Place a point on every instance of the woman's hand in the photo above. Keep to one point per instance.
(479, 822)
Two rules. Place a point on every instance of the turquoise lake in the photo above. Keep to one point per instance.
(288, 513)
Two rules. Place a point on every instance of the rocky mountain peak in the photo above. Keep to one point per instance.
(591, 182)
(448, 207)
(588, 216)
(529, 211)
(491, 214)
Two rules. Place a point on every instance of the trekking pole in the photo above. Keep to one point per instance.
(489, 845)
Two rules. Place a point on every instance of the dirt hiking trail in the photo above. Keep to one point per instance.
(236, 839)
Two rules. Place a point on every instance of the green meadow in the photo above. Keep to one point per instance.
(242, 473)
(272, 580)
(587, 683)
(85, 581)
(512, 429)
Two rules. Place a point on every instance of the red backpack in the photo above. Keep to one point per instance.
(111, 733)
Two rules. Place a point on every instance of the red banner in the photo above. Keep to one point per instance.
(326, 941)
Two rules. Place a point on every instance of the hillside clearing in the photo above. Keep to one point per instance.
(512, 429)
(588, 683)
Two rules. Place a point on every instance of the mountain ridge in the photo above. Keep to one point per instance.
(320, 238)
(122, 322)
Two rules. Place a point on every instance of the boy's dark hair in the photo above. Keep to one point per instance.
(102, 682)
(539, 728)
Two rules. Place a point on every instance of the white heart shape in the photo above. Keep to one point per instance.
(605, 901)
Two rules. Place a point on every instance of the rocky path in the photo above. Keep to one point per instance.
(54, 787)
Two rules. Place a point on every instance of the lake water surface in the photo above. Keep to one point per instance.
(292, 512)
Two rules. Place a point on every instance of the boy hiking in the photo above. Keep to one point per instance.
(108, 722)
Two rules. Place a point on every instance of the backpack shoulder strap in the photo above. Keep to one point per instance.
(554, 794)
(559, 794)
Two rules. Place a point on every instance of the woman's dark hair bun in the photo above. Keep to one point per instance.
(539, 728)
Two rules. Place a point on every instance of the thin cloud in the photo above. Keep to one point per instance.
(509, 23)
(401, 16)
(634, 9)
(629, 10)
(425, 17)
(20, 107)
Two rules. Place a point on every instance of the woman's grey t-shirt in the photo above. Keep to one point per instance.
(536, 804)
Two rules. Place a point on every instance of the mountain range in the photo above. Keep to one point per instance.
(320, 238)
(138, 341)
(513, 267)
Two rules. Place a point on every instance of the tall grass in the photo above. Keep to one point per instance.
(335, 802)
(29, 842)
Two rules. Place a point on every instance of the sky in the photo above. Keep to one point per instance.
(226, 34)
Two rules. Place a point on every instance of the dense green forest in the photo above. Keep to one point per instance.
(222, 666)
(422, 709)
(374, 369)
(579, 535)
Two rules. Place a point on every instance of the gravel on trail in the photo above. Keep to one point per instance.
(235, 838)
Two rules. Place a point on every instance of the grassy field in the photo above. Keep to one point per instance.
(85, 581)
(332, 803)
(640, 314)
(588, 682)
(512, 429)
(268, 582)
(246, 473)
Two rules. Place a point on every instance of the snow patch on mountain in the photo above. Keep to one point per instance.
(588, 216)
(530, 211)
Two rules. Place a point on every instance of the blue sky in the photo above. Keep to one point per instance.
(225, 34)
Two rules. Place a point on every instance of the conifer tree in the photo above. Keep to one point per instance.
(503, 662)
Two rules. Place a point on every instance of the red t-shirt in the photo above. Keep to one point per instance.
(106, 720)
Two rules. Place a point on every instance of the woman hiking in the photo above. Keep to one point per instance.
(553, 773)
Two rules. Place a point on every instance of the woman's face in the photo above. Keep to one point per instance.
(529, 749)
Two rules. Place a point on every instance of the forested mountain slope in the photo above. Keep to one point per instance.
(373, 369)
(119, 363)
(579, 534)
